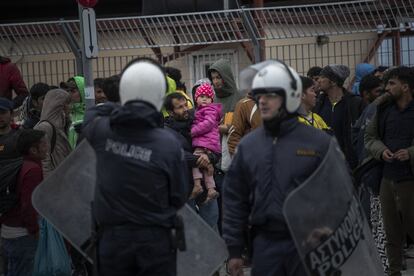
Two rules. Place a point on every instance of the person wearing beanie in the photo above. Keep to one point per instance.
(362, 70)
(339, 108)
(206, 137)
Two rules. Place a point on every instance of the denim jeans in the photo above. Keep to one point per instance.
(20, 253)
(209, 212)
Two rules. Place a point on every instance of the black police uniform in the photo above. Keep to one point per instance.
(142, 181)
(265, 169)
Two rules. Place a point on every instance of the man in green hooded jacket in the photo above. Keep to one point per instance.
(76, 88)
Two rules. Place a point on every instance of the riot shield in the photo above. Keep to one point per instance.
(328, 224)
(65, 197)
(206, 250)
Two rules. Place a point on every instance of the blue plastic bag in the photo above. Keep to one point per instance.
(51, 257)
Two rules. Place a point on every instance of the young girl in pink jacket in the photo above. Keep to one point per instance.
(206, 137)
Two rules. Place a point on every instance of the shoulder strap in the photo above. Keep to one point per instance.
(53, 141)
(252, 113)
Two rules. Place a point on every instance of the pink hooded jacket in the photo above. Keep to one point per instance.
(205, 128)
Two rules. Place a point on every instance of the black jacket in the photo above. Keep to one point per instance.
(141, 171)
(340, 118)
(396, 130)
(182, 132)
(263, 172)
(104, 109)
(8, 147)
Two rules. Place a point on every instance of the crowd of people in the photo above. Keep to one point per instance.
(232, 152)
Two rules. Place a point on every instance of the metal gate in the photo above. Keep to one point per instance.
(177, 36)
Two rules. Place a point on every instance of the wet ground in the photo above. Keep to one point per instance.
(408, 272)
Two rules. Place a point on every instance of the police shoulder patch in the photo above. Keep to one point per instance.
(306, 152)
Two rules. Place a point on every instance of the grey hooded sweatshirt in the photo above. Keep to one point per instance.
(53, 113)
(228, 95)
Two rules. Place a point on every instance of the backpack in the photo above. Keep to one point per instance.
(9, 172)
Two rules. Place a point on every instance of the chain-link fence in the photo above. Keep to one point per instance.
(304, 56)
(229, 34)
(194, 65)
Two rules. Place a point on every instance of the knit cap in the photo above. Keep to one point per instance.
(336, 73)
(205, 89)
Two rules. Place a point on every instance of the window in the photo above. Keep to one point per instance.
(202, 61)
(385, 53)
(407, 50)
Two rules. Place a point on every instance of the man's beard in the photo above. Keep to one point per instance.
(395, 97)
(181, 118)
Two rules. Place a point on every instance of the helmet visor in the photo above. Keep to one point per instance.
(257, 93)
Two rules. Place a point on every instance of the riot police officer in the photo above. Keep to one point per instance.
(141, 178)
(269, 163)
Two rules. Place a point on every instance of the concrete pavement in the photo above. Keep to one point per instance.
(408, 272)
(410, 268)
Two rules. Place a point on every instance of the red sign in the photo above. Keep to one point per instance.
(87, 3)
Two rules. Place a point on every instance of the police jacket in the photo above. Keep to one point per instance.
(142, 176)
(264, 171)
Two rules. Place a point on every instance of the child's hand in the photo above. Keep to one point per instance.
(202, 161)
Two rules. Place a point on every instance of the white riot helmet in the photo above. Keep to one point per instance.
(280, 79)
(143, 79)
(247, 75)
